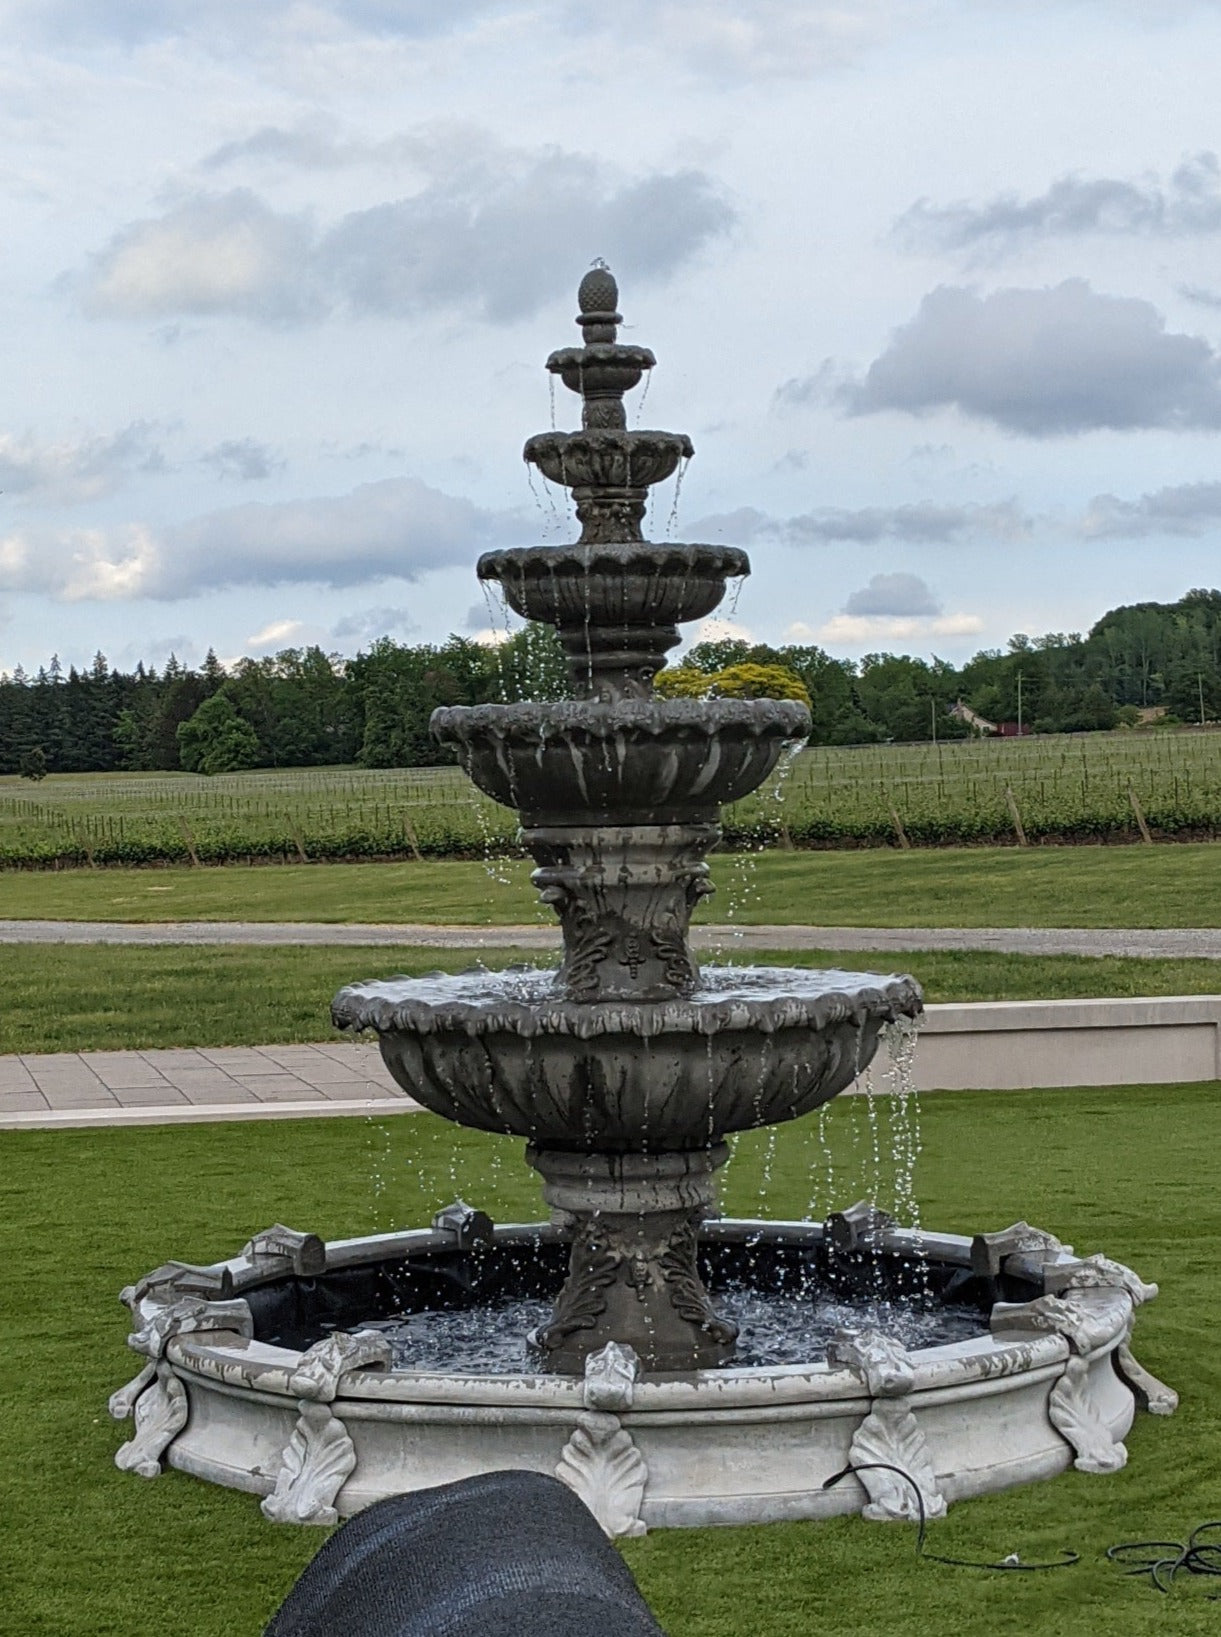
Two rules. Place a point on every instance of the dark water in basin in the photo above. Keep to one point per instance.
(774, 1329)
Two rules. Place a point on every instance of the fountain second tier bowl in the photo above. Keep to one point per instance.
(508, 1052)
(635, 583)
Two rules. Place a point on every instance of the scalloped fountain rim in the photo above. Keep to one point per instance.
(525, 1000)
(652, 556)
(598, 719)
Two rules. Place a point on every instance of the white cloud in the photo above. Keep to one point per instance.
(1044, 362)
(398, 527)
(213, 253)
(735, 41)
(245, 460)
(1188, 205)
(893, 595)
(1182, 509)
(727, 40)
(923, 521)
(228, 23)
(368, 624)
(279, 634)
(476, 236)
(73, 471)
(857, 630)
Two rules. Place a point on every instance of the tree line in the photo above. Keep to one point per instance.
(303, 707)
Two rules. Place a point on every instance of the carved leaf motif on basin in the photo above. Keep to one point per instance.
(161, 1412)
(1074, 1414)
(1150, 1393)
(602, 1465)
(121, 1402)
(890, 1436)
(317, 1461)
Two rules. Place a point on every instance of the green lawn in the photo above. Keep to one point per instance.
(1170, 886)
(64, 997)
(90, 1551)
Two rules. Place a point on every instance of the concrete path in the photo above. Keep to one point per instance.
(1201, 943)
(179, 1086)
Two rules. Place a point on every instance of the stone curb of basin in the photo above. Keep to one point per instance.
(322, 1433)
(976, 1046)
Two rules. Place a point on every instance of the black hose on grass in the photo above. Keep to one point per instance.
(1013, 1561)
(1161, 1560)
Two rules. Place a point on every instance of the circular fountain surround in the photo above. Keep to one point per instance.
(625, 1070)
(264, 1374)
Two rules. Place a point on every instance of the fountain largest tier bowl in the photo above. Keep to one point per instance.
(506, 1052)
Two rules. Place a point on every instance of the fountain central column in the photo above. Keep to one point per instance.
(634, 1220)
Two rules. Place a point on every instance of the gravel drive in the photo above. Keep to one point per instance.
(1151, 943)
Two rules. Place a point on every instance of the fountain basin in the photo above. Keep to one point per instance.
(259, 1377)
(507, 1052)
(653, 762)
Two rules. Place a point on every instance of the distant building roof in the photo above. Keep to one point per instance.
(964, 713)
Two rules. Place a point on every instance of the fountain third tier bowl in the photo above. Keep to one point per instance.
(606, 1344)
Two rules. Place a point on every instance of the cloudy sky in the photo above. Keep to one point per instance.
(934, 285)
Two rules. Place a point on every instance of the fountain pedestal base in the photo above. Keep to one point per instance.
(633, 1278)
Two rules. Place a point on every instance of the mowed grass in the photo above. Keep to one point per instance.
(1158, 886)
(70, 998)
(90, 1551)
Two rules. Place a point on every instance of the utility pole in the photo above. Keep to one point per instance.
(933, 712)
(1019, 688)
(1200, 686)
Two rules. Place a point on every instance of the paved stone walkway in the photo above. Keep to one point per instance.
(177, 1086)
(1202, 943)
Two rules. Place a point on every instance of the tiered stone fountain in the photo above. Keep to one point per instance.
(298, 1369)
